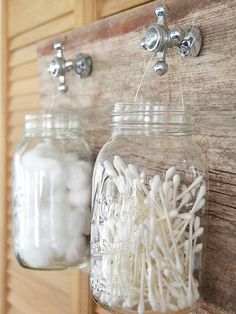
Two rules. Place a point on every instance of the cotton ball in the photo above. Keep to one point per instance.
(48, 165)
(80, 198)
(77, 250)
(36, 257)
(59, 245)
(71, 157)
(78, 223)
(79, 175)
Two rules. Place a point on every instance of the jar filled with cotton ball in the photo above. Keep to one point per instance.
(51, 192)
(149, 213)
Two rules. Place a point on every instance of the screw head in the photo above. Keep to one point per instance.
(161, 67)
(83, 65)
(191, 44)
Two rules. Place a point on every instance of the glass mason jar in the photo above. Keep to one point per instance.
(51, 192)
(148, 213)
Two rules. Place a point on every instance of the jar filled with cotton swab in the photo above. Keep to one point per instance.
(148, 214)
(51, 192)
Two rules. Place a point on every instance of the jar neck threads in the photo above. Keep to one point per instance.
(47, 125)
(150, 119)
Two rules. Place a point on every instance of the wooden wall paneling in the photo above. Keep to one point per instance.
(61, 24)
(3, 152)
(209, 91)
(23, 55)
(25, 15)
(86, 11)
(109, 7)
(24, 71)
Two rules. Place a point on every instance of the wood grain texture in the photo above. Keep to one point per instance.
(61, 24)
(3, 153)
(24, 15)
(209, 91)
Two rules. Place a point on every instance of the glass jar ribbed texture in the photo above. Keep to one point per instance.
(148, 213)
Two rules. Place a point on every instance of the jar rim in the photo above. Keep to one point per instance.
(57, 121)
(150, 119)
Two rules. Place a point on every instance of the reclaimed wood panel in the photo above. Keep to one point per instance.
(208, 85)
(25, 15)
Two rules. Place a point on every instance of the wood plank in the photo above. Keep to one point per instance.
(24, 103)
(80, 293)
(86, 11)
(49, 299)
(24, 87)
(54, 279)
(17, 302)
(109, 7)
(57, 26)
(3, 153)
(16, 119)
(24, 71)
(23, 55)
(16, 135)
(23, 16)
(204, 78)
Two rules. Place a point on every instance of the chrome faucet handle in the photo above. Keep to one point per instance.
(159, 38)
(59, 66)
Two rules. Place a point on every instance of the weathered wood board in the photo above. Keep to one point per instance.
(208, 84)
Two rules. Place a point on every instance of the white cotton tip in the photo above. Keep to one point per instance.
(169, 173)
(179, 266)
(186, 246)
(155, 183)
(177, 284)
(134, 172)
(165, 189)
(196, 182)
(166, 272)
(198, 248)
(76, 250)
(109, 169)
(198, 233)
(79, 175)
(152, 229)
(200, 205)
(156, 255)
(163, 307)
(159, 241)
(80, 198)
(119, 164)
(186, 199)
(186, 216)
(129, 303)
(141, 306)
(189, 297)
(201, 193)
(176, 180)
(173, 213)
(36, 257)
(197, 223)
(172, 307)
(181, 302)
